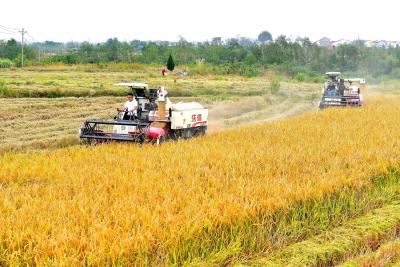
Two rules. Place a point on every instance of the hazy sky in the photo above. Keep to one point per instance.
(80, 20)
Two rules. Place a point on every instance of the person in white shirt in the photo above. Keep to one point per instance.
(162, 93)
(130, 106)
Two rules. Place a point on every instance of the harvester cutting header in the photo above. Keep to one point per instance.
(338, 92)
(154, 119)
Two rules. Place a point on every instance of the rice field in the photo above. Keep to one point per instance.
(44, 123)
(235, 196)
(52, 121)
(81, 80)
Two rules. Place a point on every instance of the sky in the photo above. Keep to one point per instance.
(96, 21)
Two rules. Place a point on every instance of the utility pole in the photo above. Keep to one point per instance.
(22, 46)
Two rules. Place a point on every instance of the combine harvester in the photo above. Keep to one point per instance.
(336, 93)
(157, 119)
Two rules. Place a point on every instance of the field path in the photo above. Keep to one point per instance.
(255, 111)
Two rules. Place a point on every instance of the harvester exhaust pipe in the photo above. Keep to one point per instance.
(161, 110)
(158, 130)
(362, 85)
(162, 98)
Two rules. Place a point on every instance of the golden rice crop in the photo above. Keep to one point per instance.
(126, 204)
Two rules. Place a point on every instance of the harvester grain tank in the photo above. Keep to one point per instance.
(339, 92)
(157, 119)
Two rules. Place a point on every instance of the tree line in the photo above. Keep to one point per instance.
(300, 56)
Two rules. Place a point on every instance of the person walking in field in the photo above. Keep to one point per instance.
(164, 71)
(130, 106)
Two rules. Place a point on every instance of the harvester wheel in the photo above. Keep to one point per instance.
(199, 131)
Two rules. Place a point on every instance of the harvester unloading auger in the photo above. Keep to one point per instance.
(157, 119)
(336, 93)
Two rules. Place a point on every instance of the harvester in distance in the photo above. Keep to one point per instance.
(338, 92)
(157, 119)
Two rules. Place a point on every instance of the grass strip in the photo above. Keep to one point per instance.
(386, 254)
(284, 229)
(333, 246)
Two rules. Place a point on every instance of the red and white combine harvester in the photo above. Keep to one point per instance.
(156, 119)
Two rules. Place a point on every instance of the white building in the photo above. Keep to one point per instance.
(325, 42)
(341, 42)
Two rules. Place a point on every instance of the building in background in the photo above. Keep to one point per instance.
(325, 42)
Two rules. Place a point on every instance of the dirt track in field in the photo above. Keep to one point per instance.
(252, 110)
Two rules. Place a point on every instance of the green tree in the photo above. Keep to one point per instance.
(250, 58)
(111, 50)
(170, 63)
(88, 53)
(264, 37)
(151, 53)
(12, 49)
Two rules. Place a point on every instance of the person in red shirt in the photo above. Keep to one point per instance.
(163, 71)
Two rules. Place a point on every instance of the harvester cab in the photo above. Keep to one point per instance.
(156, 119)
(339, 92)
(146, 99)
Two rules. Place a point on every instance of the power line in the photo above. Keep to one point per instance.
(7, 32)
(5, 29)
(30, 36)
(8, 29)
